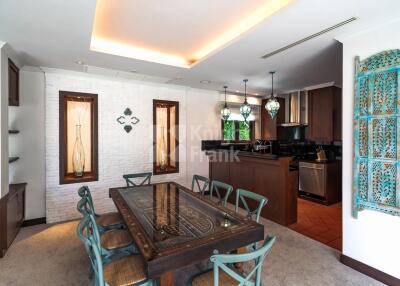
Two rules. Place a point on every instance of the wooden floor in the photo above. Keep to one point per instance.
(320, 222)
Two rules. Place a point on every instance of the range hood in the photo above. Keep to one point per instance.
(296, 112)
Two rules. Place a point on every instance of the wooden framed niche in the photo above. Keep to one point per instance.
(78, 131)
(165, 137)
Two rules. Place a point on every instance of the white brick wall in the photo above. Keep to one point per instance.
(119, 152)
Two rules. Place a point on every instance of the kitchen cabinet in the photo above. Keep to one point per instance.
(13, 84)
(324, 115)
(12, 215)
(269, 125)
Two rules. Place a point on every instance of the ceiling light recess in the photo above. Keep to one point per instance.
(309, 37)
(109, 45)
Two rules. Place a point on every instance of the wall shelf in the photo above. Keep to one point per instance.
(12, 159)
(13, 131)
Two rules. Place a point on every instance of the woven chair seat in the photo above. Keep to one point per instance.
(207, 279)
(109, 219)
(116, 238)
(126, 271)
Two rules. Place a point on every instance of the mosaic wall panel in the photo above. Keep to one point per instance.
(376, 115)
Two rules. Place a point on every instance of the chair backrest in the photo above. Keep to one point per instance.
(84, 192)
(87, 236)
(242, 195)
(220, 261)
(130, 177)
(83, 206)
(201, 183)
(217, 187)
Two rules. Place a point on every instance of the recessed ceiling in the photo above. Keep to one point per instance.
(58, 33)
(170, 33)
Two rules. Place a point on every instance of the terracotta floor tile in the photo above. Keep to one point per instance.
(320, 222)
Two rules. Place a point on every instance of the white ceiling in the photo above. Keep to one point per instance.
(57, 33)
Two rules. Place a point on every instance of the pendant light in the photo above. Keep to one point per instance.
(272, 105)
(245, 109)
(225, 112)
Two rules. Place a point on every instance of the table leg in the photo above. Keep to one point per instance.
(167, 279)
(240, 266)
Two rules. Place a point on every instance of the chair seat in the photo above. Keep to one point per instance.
(109, 219)
(206, 279)
(125, 271)
(116, 238)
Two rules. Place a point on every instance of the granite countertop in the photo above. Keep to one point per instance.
(318, 162)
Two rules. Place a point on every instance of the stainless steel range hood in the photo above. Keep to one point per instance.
(297, 109)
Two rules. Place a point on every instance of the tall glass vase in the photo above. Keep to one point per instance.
(163, 155)
(78, 154)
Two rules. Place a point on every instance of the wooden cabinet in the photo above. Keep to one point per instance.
(12, 215)
(13, 84)
(268, 125)
(271, 178)
(324, 115)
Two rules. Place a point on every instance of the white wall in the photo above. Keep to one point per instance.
(373, 238)
(3, 120)
(29, 144)
(203, 123)
(119, 152)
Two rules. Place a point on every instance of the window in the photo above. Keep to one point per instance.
(237, 130)
(78, 137)
(165, 137)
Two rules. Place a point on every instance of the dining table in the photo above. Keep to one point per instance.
(174, 227)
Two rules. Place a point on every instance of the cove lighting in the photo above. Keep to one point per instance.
(109, 46)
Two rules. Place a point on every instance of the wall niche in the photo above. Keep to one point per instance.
(165, 137)
(78, 137)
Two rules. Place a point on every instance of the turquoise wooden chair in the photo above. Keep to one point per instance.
(108, 221)
(130, 177)
(228, 275)
(242, 195)
(128, 270)
(217, 187)
(201, 182)
(111, 242)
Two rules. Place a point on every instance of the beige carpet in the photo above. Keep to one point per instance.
(53, 255)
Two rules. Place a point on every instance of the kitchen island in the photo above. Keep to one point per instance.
(269, 175)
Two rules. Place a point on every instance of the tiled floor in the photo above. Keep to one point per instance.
(320, 222)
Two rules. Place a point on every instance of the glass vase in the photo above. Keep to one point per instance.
(78, 154)
(163, 155)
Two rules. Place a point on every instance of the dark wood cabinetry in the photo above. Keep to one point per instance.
(13, 84)
(271, 178)
(269, 125)
(324, 115)
(12, 215)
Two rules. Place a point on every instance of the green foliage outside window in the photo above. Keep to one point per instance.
(244, 130)
(229, 130)
(236, 130)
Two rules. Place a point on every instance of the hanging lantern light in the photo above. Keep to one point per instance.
(225, 112)
(272, 105)
(245, 108)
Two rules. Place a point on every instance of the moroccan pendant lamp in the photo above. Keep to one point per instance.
(245, 108)
(272, 105)
(225, 112)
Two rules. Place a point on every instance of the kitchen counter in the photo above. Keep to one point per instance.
(265, 174)
(242, 154)
(319, 162)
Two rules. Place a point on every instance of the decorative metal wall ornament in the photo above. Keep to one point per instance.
(376, 184)
(128, 120)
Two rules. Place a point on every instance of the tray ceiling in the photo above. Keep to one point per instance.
(168, 32)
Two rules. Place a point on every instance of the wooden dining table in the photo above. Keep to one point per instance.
(174, 227)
